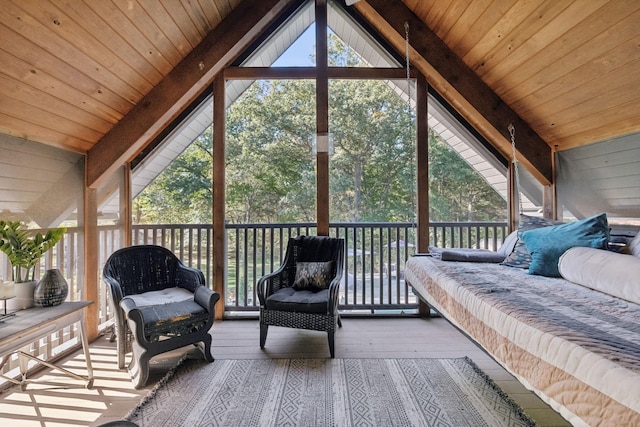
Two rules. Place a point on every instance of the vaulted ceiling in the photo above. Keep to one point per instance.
(73, 71)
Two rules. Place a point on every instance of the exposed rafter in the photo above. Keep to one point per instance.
(459, 85)
(167, 99)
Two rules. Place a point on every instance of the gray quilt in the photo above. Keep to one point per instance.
(605, 325)
(579, 349)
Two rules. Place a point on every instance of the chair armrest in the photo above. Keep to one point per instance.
(133, 313)
(270, 283)
(206, 298)
(115, 295)
(127, 306)
(188, 277)
(334, 294)
(115, 291)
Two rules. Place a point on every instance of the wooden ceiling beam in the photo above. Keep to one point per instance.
(364, 73)
(181, 86)
(459, 85)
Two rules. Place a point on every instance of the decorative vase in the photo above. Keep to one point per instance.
(24, 296)
(51, 290)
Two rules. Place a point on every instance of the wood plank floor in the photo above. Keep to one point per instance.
(60, 401)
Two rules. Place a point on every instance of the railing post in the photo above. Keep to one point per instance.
(218, 216)
(91, 248)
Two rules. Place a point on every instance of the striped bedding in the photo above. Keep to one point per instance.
(576, 348)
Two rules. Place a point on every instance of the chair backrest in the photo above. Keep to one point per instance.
(142, 268)
(314, 249)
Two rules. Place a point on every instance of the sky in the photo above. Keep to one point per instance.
(299, 53)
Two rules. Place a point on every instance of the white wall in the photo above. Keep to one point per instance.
(601, 177)
(39, 184)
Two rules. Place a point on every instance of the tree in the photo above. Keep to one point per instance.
(457, 192)
(270, 167)
(181, 194)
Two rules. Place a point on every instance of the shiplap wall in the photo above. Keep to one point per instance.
(601, 177)
(38, 183)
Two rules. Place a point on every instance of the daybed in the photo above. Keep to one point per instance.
(575, 347)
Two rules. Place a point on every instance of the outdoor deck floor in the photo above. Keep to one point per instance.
(62, 401)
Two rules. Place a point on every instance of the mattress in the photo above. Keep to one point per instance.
(576, 348)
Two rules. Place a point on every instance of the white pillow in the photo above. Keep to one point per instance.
(509, 244)
(634, 246)
(612, 273)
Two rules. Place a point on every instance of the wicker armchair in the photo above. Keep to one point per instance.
(160, 303)
(283, 303)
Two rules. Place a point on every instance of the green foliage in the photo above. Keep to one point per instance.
(373, 166)
(270, 170)
(182, 193)
(457, 193)
(270, 167)
(25, 250)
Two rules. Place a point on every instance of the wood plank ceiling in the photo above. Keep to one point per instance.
(71, 69)
(571, 69)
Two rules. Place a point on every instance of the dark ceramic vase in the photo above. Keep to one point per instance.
(51, 290)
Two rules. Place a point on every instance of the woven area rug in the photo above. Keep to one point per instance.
(328, 392)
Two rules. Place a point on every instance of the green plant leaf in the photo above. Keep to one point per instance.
(23, 250)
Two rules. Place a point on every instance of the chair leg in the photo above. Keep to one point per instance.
(331, 345)
(121, 346)
(139, 368)
(113, 336)
(339, 321)
(263, 335)
(207, 347)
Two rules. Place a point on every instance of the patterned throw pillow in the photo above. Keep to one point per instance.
(313, 276)
(520, 256)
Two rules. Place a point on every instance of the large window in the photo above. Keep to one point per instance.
(372, 169)
(270, 175)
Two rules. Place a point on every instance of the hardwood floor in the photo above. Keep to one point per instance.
(60, 401)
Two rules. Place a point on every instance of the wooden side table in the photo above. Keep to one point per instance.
(32, 324)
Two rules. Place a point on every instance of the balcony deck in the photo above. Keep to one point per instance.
(70, 404)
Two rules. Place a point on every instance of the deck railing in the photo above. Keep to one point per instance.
(375, 254)
(373, 281)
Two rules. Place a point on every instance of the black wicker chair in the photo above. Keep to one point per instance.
(160, 303)
(284, 304)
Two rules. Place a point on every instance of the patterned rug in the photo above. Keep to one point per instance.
(328, 392)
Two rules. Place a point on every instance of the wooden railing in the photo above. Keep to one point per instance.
(373, 281)
(375, 254)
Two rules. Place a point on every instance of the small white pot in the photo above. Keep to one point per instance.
(24, 296)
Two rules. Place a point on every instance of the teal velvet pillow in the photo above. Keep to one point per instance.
(547, 244)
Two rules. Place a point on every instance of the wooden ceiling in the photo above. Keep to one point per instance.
(70, 70)
(571, 69)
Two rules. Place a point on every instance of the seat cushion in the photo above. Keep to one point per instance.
(174, 318)
(288, 299)
(163, 296)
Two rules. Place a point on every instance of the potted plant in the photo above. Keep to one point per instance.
(24, 249)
